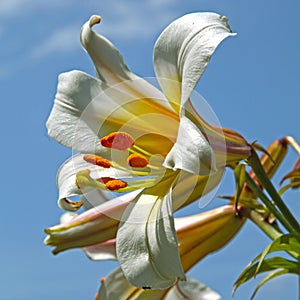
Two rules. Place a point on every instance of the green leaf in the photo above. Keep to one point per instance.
(259, 147)
(285, 216)
(260, 264)
(288, 186)
(286, 243)
(267, 278)
(295, 174)
(240, 179)
(268, 264)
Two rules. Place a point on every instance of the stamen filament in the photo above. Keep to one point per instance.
(139, 149)
(131, 171)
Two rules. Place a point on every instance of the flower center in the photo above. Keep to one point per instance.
(141, 168)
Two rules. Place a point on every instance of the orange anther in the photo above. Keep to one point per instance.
(112, 184)
(102, 279)
(137, 161)
(105, 179)
(97, 160)
(117, 140)
(96, 297)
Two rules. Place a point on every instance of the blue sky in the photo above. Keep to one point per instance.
(251, 84)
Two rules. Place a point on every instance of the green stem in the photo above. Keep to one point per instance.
(268, 203)
(260, 173)
(267, 228)
(258, 220)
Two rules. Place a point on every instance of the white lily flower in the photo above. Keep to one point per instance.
(115, 286)
(131, 136)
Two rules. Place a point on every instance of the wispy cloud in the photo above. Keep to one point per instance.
(63, 40)
(137, 19)
(122, 22)
(10, 8)
(131, 21)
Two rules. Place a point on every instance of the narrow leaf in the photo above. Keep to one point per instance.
(288, 186)
(287, 243)
(268, 264)
(295, 174)
(240, 178)
(267, 278)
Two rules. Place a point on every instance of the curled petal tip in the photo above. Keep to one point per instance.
(46, 240)
(94, 20)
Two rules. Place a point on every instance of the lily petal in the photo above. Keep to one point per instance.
(146, 239)
(79, 113)
(75, 92)
(183, 51)
(192, 289)
(111, 68)
(190, 188)
(91, 227)
(191, 152)
(116, 286)
(102, 251)
(229, 146)
(202, 234)
(109, 63)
